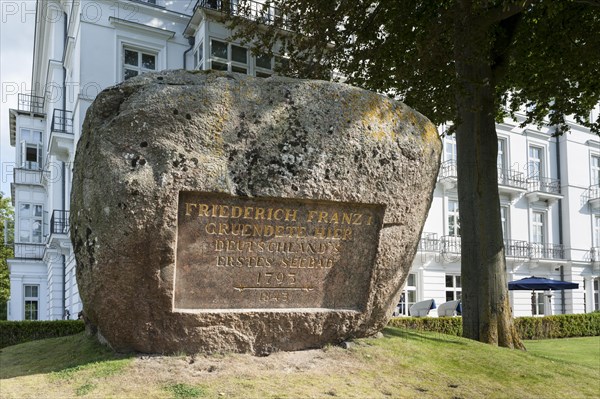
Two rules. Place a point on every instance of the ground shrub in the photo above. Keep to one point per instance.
(443, 325)
(558, 326)
(17, 332)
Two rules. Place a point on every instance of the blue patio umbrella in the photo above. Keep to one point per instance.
(540, 284)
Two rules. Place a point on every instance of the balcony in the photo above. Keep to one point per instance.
(249, 9)
(30, 177)
(516, 249)
(543, 189)
(31, 104)
(448, 174)
(511, 182)
(59, 222)
(27, 251)
(592, 196)
(546, 251)
(59, 240)
(595, 254)
(450, 244)
(429, 242)
(61, 138)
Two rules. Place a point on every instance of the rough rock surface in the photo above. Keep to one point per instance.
(150, 138)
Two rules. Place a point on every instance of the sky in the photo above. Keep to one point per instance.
(17, 21)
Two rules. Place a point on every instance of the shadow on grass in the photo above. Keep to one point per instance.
(53, 355)
(416, 335)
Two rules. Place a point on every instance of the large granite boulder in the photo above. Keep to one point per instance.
(217, 212)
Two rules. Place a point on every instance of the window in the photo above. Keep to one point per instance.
(136, 62)
(596, 289)
(264, 66)
(409, 295)
(536, 163)
(453, 219)
(31, 149)
(504, 222)
(30, 223)
(503, 174)
(31, 299)
(228, 57)
(453, 287)
(537, 228)
(199, 57)
(450, 148)
(595, 161)
(537, 303)
(502, 154)
(596, 238)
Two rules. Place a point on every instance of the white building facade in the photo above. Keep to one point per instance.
(549, 187)
(550, 210)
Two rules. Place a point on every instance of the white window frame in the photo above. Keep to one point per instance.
(26, 223)
(596, 292)
(29, 143)
(595, 170)
(502, 160)
(450, 149)
(199, 56)
(229, 61)
(32, 299)
(140, 53)
(453, 218)
(536, 172)
(596, 230)
(538, 304)
(541, 224)
(409, 290)
(455, 288)
(262, 72)
(505, 221)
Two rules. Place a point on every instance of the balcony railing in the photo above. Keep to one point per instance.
(29, 251)
(28, 176)
(448, 169)
(592, 193)
(451, 244)
(546, 251)
(59, 222)
(253, 10)
(544, 185)
(429, 242)
(512, 178)
(30, 103)
(62, 121)
(516, 249)
(595, 254)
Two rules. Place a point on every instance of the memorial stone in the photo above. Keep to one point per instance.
(218, 212)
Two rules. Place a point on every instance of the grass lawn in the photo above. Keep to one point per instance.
(584, 351)
(402, 364)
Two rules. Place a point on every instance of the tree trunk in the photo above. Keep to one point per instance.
(486, 316)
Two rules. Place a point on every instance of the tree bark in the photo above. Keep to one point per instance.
(487, 316)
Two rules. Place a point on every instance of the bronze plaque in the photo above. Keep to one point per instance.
(257, 253)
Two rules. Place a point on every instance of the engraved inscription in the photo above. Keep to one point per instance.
(258, 253)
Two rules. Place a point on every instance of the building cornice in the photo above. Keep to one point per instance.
(150, 30)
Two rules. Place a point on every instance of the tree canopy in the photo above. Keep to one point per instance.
(471, 62)
(545, 54)
(6, 252)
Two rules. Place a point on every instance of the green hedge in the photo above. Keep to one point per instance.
(559, 326)
(17, 332)
(443, 325)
